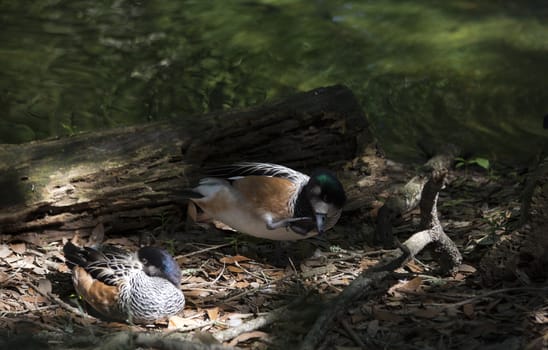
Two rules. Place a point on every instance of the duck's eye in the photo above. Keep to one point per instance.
(316, 190)
(144, 261)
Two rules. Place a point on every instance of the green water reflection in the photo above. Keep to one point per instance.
(470, 72)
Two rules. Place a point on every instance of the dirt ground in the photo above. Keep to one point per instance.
(231, 279)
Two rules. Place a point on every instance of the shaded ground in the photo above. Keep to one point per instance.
(230, 279)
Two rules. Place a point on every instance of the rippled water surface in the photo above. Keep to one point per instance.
(426, 72)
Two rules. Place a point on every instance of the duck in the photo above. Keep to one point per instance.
(140, 287)
(267, 200)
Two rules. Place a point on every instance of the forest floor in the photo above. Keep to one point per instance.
(230, 279)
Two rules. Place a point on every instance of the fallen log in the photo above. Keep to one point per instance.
(129, 178)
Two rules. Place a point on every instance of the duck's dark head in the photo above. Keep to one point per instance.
(326, 196)
(157, 262)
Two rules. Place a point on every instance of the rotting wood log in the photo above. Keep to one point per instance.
(129, 178)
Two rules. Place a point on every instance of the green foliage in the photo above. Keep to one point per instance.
(481, 162)
(416, 67)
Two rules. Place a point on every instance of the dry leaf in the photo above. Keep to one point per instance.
(451, 311)
(234, 269)
(121, 241)
(413, 267)
(411, 286)
(383, 315)
(12, 259)
(233, 259)
(366, 263)
(196, 293)
(4, 277)
(242, 284)
(275, 275)
(63, 268)
(358, 317)
(246, 336)
(372, 328)
(246, 265)
(180, 322)
(44, 286)
(469, 310)
(5, 251)
(467, 268)
(97, 235)
(26, 263)
(213, 313)
(540, 317)
(222, 226)
(427, 313)
(340, 282)
(215, 273)
(196, 279)
(34, 299)
(459, 277)
(19, 248)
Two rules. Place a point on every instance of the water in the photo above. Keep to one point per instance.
(425, 72)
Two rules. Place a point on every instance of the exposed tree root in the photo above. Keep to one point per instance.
(449, 260)
(126, 340)
(359, 288)
(449, 257)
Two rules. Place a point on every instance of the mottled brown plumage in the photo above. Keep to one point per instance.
(99, 295)
(140, 287)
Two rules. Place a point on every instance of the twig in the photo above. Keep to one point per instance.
(376, 252)
(257, 289)
(128, 340)
(61, 303)
(190, 328)
(219, 275)
(251, 325)
(41, 325)
(493, 292)
(246, 292)
(203, 250)
(359, 287)
(258, 322)
(355, 337)
(20, 312)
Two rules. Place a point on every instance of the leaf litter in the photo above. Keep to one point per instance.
(230, 280)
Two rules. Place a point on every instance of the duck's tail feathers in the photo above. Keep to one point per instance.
(78, 256)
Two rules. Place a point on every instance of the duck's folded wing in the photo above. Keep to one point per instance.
(101, 296)
(234, 171)
(108, 264)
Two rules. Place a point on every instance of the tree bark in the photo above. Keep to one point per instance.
(129, 178)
